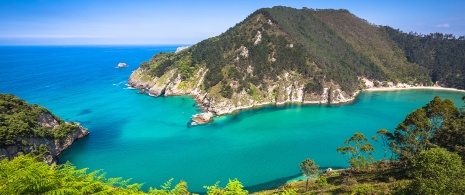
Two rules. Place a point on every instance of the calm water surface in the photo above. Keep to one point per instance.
(147, 139)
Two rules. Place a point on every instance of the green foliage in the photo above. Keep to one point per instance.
(314, 87)
(415, 133)
(386, 59)
(234, 187)
(320, 45)
(322, 181)
(20, 119)
(358, 152)
(226, 91)
(308, 168)
(437, 171)
(26, 175)
(452, 136)
(179, 189)
(384, 140)
(442, 54)
(362, 190)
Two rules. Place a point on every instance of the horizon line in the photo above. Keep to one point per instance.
(122, 44)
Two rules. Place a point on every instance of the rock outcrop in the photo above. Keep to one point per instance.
(289, 89)
(53, 147)
(202, 118)
(34, 129)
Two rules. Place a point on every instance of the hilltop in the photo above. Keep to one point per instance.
(284, 55)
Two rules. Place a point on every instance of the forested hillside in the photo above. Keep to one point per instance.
(279, 55)
(442, 54)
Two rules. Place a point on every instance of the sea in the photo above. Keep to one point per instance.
(148, 138)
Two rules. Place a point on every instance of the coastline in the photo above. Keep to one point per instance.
(349, 100)
(374, 89)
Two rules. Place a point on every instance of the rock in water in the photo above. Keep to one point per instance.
(121, 65)
(201, 118)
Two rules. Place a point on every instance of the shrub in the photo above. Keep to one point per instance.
(438, 171)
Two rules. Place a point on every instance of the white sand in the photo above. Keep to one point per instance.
(411, 88)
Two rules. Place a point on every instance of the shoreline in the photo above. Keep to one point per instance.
(284, 103)
(375, 89)
(349, 101)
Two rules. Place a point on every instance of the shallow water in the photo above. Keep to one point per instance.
(147, 139)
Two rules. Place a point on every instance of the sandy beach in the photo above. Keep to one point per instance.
(412, 88)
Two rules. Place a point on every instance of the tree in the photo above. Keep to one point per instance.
(451, 135)
(308, 168)
(384, 135)
(415, 133)
(358, 151)
(438, 171)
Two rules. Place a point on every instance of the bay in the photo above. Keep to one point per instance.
(147, 139)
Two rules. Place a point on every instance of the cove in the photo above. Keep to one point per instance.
(147, 139)
(261, 147)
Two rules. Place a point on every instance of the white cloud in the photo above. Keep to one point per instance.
(443, 25)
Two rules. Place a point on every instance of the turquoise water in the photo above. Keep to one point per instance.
(147, 139)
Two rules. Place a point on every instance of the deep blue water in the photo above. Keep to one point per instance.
(147, 139)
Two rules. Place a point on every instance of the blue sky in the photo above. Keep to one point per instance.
(93, 22)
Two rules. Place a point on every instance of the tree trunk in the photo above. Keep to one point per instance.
(306, 186)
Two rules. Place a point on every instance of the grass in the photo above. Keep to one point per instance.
(379, 178)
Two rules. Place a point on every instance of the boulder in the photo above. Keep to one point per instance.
(201, 118)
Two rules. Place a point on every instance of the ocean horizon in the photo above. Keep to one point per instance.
(148, 139)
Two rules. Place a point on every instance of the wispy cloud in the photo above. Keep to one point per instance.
(49, 36)
(445, 25)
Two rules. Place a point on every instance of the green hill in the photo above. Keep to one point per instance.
(281, 55)
(442, 54)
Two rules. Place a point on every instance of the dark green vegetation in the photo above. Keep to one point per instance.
(308, 169)
(27, 175)
(428, 147)
(357, 152)
(442, 54)
(26, 128)
(20, 119)
(320, 45)
(345, 46)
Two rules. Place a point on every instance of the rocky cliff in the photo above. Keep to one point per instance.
(32, 129)
(280, 55)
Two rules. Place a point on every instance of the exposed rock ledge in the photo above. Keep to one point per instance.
(289, 86)
(201, 118)
(54, 147)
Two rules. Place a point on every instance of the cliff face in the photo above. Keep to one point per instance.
(32, 129)
(280, 55)
(51, 148)
(288, 89)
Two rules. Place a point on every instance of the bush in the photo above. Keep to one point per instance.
(438, 171)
